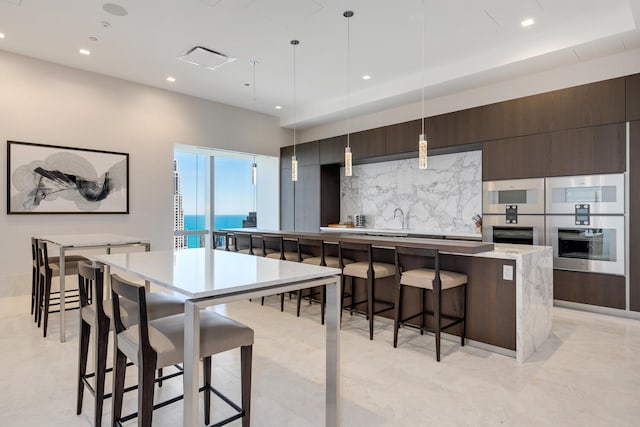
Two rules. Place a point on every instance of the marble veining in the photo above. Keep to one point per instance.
(442, 198)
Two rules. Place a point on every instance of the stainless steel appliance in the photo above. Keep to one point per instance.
(527, 195)
(513, 211)
(599, 194)
(596, 244)
(529, 230)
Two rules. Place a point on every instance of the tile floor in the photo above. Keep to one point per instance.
(587, 374)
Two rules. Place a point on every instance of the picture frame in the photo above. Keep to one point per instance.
(52, 179)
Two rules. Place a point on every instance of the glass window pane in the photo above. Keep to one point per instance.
(235, 194)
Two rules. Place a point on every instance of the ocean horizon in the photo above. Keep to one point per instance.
(197, 222)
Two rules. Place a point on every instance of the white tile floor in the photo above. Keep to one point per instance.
(587, 374)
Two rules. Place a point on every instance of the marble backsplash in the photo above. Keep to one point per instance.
(442, 198)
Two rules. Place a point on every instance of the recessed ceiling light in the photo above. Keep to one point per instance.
(366, 77)
(527, 22)
(84, 52)
(171, 79)
(114, 9)
(278, 107)
(1, 35)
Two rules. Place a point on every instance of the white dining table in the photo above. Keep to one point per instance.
(208, 277)
(67, 242)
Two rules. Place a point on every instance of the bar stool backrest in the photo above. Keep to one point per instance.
(91, 289)
(274, 242)
(410, 258)
(313, 247)
(121, 288)
(362, 252)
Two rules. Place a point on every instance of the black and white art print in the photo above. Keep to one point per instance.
(48, 179)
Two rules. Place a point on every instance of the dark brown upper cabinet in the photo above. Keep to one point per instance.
(633, 97)
(457, 128)
(512, 158)
(592, 150)
(403, 137)
(367, 143)
(581, 106)
(332, 150)
(308, 153)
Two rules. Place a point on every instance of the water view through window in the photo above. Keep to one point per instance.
(233, 196)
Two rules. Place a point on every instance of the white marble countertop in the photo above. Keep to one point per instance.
(509, 251)
(399, 232)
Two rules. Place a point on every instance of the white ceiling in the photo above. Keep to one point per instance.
(467, 43)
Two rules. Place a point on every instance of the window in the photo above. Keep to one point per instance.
(210, 181)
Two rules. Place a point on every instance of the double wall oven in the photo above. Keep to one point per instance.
(585, 222)
(513, 211)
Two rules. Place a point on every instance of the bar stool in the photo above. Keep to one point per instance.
(220, 240)
(427, 278)
(312, 251)
(273, 247)
(48, 268)
(243, 243)
(153, 344)
(69, 260)
(95, 320)
(370, 271)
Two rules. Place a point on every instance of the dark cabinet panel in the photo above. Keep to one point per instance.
(634, 216)
(402, 137)
(332, 150)
(457, 128)
(307, 199)
(286, 197)
(307, 154)
(511, 158)
(329, 194)
(367, 143)
(581, 106)
(592, 150)
(589, 288)
(633, 97)
(491, 307)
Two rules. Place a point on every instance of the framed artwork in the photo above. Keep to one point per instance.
(49, 179)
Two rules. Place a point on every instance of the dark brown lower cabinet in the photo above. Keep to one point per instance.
(491, 304)
(603, 290)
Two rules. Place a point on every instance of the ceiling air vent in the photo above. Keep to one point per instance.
(206, 58)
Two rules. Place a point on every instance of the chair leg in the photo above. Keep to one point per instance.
(146, 381)
(34, 292)
(83, 354)
(206, 380)
(299, 302)
(282, 302)
(119, 371)
(245, 362)
(436, 312)
(45, 308)
(160, 376)
(370, 302)
(397, 312)
(100, 366)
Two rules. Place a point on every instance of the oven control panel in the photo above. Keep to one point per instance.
(511, 212)
(582, 214)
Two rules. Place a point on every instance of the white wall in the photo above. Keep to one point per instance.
(50, 104)
(575, 74)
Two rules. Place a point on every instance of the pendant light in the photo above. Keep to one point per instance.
(254, 166)
(294, 161)
(422, 140)
(348, 169)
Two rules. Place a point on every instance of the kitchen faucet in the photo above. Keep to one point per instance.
(401, 216)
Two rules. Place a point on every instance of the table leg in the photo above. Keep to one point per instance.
(62, 292)
(332, 416)
(191, 363)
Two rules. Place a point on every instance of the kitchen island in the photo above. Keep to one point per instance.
(510, 291)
